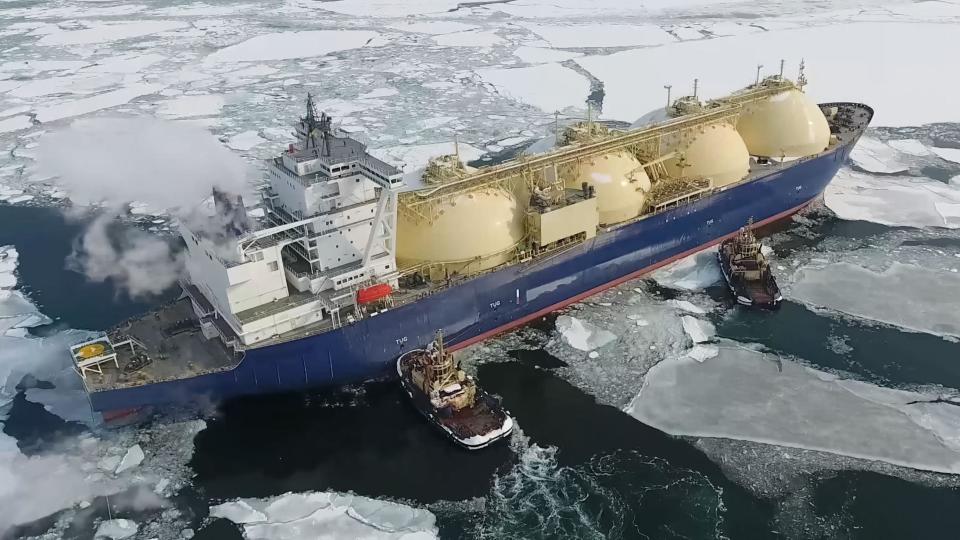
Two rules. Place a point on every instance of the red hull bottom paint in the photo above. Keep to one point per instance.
(633, 275)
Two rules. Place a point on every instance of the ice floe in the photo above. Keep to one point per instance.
(925, 300)
(551, 87)
(116, 529)
(327, 515)
(700, 331)
(392, 8)
(541, 55)
(756, 396)
(15, 123)
(909, 146)
(468, 39)
(694, 272)
(286, 45)
(131, 459)
(125, 63)
(192, 105)
(104, 31)
(875, 46)
(701, 353)
(877, 157)
(37, 66)
(98, 102)
(582, 335)
(686, 305)
(949, 154)
(434, 27)
(245, 140)
(601, 35)
(893, 200)
(380, 92)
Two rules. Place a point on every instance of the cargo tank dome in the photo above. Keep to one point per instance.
(715, 151)
(620, 184)
(480, 224)
(788, 124)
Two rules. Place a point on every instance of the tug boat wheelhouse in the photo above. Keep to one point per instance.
(747, 273)
(451, 399)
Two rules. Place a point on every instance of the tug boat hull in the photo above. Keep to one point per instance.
(760, 294)
(486, 414)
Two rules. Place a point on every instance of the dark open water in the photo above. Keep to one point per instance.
(578, 470)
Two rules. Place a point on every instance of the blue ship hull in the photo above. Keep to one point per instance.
(498, 301)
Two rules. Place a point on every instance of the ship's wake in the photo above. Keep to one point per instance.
(614, 495)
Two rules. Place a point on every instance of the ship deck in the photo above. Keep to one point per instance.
(174, 345)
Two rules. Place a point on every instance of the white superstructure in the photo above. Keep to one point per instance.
(332, 211)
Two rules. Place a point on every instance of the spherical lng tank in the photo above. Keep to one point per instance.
(788, 124)
(714, 151)
(474, 231)
(619, 182)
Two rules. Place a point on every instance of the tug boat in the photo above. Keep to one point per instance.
(451, 399)
(747, 273)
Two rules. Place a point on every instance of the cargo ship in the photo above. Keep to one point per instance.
(357, 263)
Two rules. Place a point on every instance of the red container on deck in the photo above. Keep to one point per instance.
(373, 293)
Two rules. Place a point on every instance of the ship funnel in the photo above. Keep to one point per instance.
(231, 210)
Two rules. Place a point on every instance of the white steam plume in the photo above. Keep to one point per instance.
(115, 161)
(138, 262)
(119, 160)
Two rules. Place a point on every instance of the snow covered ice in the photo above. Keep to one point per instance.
(922, 299)
(116, 529)
(691, 273)
(131, 459)
(629, 95)
(893, 200)
(877, 156)
(949, 154)
(569, 88)
(581, 334)
(699, 331)
(286, 45)
(757, 396)
(327, 515)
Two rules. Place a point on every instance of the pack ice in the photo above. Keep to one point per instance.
(757, 396)
(581, 334)
(327, 515)
(926, 299)
(893, 200)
